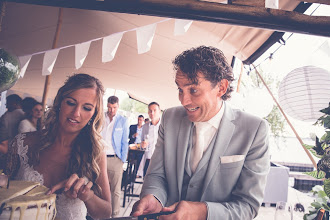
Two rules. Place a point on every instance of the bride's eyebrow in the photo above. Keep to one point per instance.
(70, 98)
(76, 101)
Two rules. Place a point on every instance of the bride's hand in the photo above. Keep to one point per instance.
(75, 187)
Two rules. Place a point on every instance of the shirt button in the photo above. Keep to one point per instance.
(191, 186)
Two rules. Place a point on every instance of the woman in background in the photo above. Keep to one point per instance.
(67, 156)
(33, 115)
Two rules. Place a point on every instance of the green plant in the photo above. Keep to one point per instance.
(322, 151)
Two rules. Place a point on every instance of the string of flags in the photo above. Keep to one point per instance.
(144, 36)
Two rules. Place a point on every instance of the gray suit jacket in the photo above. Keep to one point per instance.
(235, 178)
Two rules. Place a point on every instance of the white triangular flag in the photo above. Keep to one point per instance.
(49, 61)
(24, 60)
(271, 4)
(145, 35)
(110, 46)
(81, 51)
(181, 26)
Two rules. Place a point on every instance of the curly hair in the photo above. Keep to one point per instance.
(210, 61)
(87, 146)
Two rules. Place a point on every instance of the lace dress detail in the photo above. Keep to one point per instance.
(26, 172)
(67, 209)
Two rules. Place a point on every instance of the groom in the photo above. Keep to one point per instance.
(210, 161)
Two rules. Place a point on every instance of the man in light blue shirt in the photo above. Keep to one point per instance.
(115, 134)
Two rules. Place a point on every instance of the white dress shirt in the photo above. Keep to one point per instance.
(107, 134)
(213, 125)
(152, 139)
(139, 133)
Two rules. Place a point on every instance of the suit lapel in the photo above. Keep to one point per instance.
(182, 146)
(224, 135)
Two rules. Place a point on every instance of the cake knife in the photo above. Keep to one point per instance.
(154, 216)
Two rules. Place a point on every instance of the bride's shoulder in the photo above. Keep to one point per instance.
(31, 139)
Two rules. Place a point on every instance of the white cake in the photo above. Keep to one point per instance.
(26, 200)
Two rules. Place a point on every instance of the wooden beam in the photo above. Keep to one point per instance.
(261, 3)
(265, 18)
(55, 40)
(255, 3)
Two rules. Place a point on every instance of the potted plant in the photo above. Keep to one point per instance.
(322, 151)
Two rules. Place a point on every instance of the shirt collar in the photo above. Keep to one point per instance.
(155, 124)
(215, 120)
(107, 116)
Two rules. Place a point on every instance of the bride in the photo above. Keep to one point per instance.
(67, 156)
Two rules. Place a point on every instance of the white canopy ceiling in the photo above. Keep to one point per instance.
(29, 29)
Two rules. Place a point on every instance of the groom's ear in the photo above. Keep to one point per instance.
(222, 87)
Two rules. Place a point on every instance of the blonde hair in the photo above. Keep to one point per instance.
(87, 146)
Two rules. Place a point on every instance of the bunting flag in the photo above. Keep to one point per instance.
(24, 60)
(181, 26)
(110, 46)
(145, 35)
(271, 4)
(81, 51)
(49, 61)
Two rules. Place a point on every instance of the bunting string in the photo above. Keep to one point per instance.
(144, 34)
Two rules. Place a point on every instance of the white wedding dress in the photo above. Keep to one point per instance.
(67, 209)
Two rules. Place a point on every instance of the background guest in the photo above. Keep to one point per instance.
(146, 120)
(135, 131)
(10, 120)
(33, 115)
(150, 133)
(115, 134)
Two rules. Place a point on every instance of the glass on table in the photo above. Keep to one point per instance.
(145, 142)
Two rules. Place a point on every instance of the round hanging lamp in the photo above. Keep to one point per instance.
(304, 92)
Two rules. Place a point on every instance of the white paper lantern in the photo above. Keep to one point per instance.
(304, 92)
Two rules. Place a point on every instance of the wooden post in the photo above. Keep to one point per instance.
(239, 79)
(48, 77)
(286, 118)
(2, 12)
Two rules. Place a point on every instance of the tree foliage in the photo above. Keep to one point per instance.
(275, 117)
(132, 105)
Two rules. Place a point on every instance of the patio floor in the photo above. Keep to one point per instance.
(126, 211)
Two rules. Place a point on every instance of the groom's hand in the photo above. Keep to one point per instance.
(147, 205)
